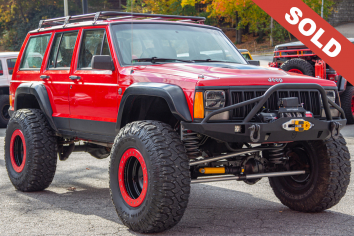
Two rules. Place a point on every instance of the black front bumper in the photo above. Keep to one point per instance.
(271, 132)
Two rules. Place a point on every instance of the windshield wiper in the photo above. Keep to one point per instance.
(157, 59)
(210, 60)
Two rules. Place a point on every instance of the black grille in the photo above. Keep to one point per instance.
(310, 99)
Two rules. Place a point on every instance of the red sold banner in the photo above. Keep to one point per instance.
(316, 33)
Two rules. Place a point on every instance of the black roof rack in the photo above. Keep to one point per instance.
(115, 15)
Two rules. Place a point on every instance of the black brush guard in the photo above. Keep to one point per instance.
(254, 132)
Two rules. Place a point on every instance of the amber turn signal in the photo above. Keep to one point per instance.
(11, 101)
(198, 106)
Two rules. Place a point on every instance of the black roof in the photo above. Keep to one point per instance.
(300, 44)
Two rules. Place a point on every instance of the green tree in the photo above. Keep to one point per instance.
(18, 17)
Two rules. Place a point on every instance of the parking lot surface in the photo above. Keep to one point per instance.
(78, 203)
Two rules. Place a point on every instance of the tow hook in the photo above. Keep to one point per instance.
(255, 129)
(335, 129)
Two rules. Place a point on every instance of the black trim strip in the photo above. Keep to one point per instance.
(93, 127)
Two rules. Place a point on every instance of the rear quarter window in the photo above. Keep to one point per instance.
(34, 53)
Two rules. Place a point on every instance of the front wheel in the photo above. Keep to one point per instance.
(328, 174)
(149, 176)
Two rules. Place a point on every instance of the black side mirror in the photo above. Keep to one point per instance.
(255, 63)
(102, 62)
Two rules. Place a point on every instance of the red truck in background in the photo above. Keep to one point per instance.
(297, 58)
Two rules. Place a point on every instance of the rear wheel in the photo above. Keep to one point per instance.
(299, 66)
(347, 100)
(4, 106)
(149, 176)
(327, 163)
(30, 150)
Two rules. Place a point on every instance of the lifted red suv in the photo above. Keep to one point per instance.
(172, 103)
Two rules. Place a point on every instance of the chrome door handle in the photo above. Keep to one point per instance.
(44, 77)
(74, 77)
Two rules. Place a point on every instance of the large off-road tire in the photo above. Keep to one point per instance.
(347, 100)
(149, 176)
(30, 150)
(4, 110)
(299, 66)
(328, 163)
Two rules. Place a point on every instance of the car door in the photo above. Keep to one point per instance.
(93, 96)
(56, 75)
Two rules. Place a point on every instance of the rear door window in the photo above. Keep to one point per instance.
(1, 70)
(94, 42)
(34, 53)
(62, 51)
(11, 64)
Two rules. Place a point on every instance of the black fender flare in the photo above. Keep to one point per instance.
(39, 91)
(172, 94)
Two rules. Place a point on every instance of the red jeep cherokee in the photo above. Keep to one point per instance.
(172, 103)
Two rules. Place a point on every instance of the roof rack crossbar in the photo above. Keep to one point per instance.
(115, 15)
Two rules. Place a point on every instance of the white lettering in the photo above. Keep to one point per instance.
(295, 12)
(328, 47)
(316, 38)
(302, 27)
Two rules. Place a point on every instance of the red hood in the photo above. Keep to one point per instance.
(227, 74)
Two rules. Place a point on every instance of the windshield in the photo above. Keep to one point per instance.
(170, 41)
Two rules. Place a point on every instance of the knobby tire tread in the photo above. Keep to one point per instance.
(298, 63)
(170, 175)
(41, 145)
(346, 100)
(336, 184)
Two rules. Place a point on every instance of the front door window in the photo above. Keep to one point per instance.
(94, 42)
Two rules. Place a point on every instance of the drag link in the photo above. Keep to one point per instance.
(251, 176)
(193, 163)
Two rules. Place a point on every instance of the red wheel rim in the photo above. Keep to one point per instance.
(18, 151)
(133, 177)
(353, 105)
(295, 71)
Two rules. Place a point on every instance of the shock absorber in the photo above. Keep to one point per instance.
(276, 156)
(190, 141)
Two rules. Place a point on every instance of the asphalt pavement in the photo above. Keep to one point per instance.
(78, 203)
